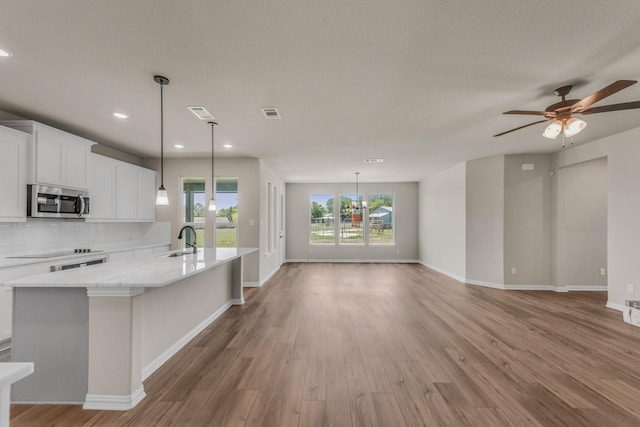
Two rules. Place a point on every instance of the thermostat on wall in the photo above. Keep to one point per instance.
(528, 166)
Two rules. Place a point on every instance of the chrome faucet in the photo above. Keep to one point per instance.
(195, 243)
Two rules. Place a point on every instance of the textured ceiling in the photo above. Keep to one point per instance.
(420, 83)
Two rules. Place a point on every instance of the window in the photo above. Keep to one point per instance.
(227, 212)
(351, 224)
(381, 219)
(321, 224)
(193, 209)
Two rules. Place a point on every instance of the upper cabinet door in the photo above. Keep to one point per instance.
(126, 191)
(56, 158)
(121, 191)
(13, 175)
(49, 155)
(103, 188)
(77, 160)
(146, 195)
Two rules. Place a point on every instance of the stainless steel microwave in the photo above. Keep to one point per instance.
(55, 202)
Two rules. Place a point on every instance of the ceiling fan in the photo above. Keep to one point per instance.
(561, 113)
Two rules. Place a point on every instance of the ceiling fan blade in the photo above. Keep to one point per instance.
(533, 113)
(521, 127)
(601, 94)
(612, 107)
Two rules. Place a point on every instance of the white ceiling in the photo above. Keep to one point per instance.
(420, 83)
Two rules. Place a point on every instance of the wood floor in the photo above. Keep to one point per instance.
(390, 345)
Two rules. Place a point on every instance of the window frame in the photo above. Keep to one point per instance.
(333, 241)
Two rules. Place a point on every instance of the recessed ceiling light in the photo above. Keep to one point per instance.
(227, 145)
(121, 115)
(178, 145)
(374, 160)
(4, 52)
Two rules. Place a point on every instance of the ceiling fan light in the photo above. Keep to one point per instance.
(553, 130)
(574, 126)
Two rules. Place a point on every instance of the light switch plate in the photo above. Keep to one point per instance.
(629, 287)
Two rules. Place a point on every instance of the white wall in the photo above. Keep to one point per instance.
(405, 210)
(527, 220)
(442, 221)
(485, 220)
(581, 229)
(624, 216)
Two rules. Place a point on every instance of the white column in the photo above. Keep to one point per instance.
(115, 350)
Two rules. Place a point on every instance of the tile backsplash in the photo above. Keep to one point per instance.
(45, 235)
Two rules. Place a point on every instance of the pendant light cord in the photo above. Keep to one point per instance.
(213, 179)
(161, 137)
(357, 193)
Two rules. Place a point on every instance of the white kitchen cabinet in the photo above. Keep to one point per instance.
(102, 188)
(55, 157)
(13, 175)
(126, 191)
(121, 191)
(146, 194)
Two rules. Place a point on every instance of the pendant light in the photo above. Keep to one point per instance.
(212, 202)
(161, 198)
(356, 204)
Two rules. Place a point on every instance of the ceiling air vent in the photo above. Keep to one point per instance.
(201, 113)
(271, 113)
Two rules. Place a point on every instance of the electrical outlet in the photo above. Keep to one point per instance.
(630, 287)
(603, 272)
(513, 270)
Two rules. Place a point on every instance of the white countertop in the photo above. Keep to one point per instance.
(154, 271)
(102, 249)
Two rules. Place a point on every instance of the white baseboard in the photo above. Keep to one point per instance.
(105, 402)
(269, 276)
(175, 347)
(615, 306)
(587, 288)
(262, 281)
(363, 261)
(447, 273)
(250, 284)
(524, 287)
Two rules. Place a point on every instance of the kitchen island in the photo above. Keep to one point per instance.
(96, 333)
